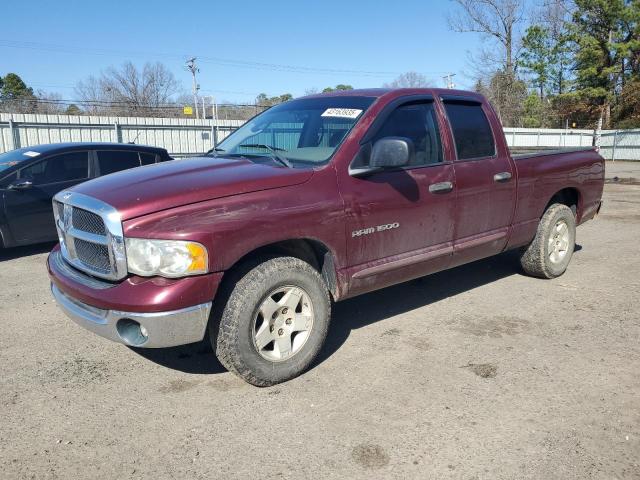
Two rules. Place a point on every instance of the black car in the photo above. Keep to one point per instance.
(31, 176)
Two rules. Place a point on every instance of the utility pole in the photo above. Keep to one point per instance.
(448, 80)
(191, 66)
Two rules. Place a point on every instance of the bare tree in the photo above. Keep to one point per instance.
(497, 20)
(90, 91)
(128, 90)
(409, 80)
(49, 103)
(507, 95)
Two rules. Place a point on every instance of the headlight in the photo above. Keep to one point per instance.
(167, 258)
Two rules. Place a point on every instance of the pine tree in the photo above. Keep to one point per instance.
(537, 56)
(13, 87)
(603, 38)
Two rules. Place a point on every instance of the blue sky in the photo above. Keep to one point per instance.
(53, 44)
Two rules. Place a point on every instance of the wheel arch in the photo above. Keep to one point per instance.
(314, 252)
(569, 196)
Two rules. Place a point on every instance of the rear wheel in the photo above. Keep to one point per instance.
(550, 252)
(274, 322)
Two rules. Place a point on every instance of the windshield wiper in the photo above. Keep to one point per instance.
(274, 152)
(214, 150)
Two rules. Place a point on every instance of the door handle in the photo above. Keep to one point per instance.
(20, 185)
(502, 177)
(441, 187)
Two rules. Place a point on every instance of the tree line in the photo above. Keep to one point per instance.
(150, 91)
(563, 64)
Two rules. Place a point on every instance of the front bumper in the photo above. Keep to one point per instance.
(163, 329)
(144, 312)
(134, 294)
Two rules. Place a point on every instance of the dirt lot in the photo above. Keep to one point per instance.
(475, 373)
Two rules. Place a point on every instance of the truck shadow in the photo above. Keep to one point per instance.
(359, 312)
(192, 358)
(373, 307)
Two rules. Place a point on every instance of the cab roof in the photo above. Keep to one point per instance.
(399, 92)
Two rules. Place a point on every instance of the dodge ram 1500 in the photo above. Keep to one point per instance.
(313, 201)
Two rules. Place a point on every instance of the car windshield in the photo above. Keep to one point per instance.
(14, 157)
(299, 133)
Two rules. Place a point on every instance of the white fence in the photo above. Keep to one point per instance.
(181, 137)
(536, 138)
(185, 137)
(620, 145)
(614, 144)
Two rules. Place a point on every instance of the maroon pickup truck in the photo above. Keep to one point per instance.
(313, 201)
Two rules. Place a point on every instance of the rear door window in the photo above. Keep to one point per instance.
(471, 130)
(60, 168)
(110, 161)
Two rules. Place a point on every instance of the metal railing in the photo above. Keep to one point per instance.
(612, 144)
(186, 137)
(181, 137)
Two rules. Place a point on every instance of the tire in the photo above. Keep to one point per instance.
(550, 252)
(239, 338)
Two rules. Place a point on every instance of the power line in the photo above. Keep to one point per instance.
(204, 59)
(108, 103)
(213, 90)
(232, 92)
(46, 85)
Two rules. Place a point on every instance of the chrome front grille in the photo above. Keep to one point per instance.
(93, 254)
(58, 209)
(90, 233)
(87, 222)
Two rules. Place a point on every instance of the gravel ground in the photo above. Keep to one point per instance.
(475, 373)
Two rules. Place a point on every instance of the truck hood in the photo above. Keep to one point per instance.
(149, 189)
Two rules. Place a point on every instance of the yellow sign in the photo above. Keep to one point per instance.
(187, 110)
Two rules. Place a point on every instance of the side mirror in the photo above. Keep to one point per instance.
(389, 152)
(22, 184)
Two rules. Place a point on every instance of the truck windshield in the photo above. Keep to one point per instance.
(9, 159)
(298, 133)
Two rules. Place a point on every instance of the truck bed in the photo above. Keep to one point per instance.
(519, 153)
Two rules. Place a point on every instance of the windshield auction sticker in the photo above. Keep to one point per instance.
(342, 112)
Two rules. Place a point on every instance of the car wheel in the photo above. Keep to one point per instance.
(550, 252)
(274, 322)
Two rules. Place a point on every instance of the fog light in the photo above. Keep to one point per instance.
(132, 332)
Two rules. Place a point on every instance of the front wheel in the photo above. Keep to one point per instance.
(550, 252)
(274, 323)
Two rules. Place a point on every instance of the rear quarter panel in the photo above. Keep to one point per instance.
(540, 177)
